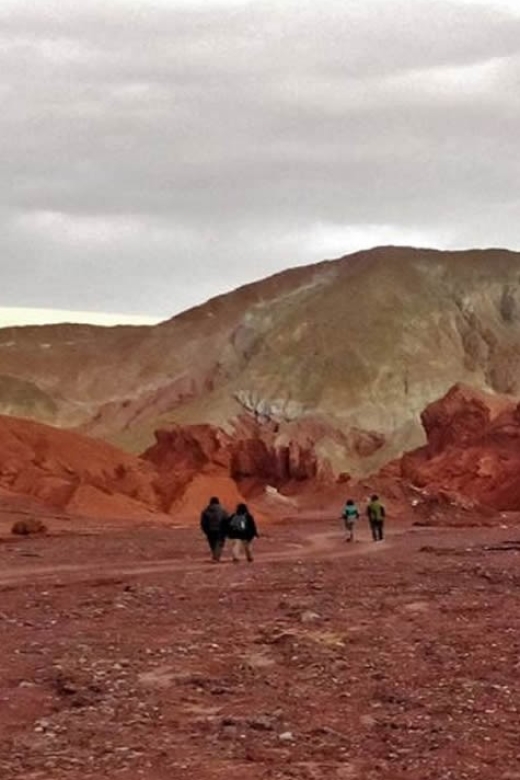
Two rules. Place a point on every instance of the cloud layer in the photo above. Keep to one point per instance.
(156, 153)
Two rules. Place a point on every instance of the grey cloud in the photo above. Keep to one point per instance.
(208, 143)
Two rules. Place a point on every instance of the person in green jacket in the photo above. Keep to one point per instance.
(350, 514)
(376, 517)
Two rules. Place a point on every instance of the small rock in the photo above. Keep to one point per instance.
(28, 527)
(310, 617)
(262, 723)
(228, 721)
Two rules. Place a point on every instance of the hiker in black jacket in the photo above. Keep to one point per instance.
(213, 524)
(241, 528)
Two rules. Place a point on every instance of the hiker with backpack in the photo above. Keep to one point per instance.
(376, 517)
(350, 514)
(241, 529)
(213, 521)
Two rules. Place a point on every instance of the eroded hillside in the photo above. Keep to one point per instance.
(362, 344)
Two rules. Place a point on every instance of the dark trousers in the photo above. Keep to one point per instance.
(377, 527)
(216, 545)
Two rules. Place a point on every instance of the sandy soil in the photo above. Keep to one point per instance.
(128, 655)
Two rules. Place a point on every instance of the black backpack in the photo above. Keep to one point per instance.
(238, 523)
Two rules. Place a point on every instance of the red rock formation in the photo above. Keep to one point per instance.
(198, 491)
(473, 449)
(254, 453)
(78, 475)
(459, 418)
(276, 464)
(67, 471)
(182, 453)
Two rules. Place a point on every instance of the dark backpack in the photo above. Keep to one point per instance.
(238, 523)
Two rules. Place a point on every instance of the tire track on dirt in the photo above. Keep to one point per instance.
(324, 545)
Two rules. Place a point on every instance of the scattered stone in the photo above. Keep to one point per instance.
(310, 617)
(263, 723)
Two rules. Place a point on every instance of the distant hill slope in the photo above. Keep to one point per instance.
(358, 344)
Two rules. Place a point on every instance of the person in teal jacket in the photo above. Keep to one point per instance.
(350, 515)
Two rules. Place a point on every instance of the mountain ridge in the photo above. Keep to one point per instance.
(363, 342)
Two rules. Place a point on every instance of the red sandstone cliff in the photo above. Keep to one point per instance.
(252, 452)
(473, 449)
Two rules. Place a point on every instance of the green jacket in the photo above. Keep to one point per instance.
(376, 512)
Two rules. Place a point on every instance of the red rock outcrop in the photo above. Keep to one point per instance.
(78, 475)
(200, 488)
(180, 454)
(66, 471)
(255, 454)
(473, 450)
(277, 459)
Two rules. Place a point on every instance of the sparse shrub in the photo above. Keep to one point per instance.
(28, 527)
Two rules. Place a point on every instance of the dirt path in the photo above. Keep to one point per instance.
(325, 545)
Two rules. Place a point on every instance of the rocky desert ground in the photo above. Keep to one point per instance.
(127, 654)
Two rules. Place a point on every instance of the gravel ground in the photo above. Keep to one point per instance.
(128, 655)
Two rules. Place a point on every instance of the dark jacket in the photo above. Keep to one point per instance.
(213, 520)
(247, 533)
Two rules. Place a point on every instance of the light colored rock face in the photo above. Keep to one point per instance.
(363, 343)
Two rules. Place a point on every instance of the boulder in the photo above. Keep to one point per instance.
(28, 527)
(473, 449)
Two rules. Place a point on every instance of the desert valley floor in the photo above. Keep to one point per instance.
(126, 654)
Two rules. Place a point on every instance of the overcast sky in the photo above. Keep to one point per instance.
(154, 153)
